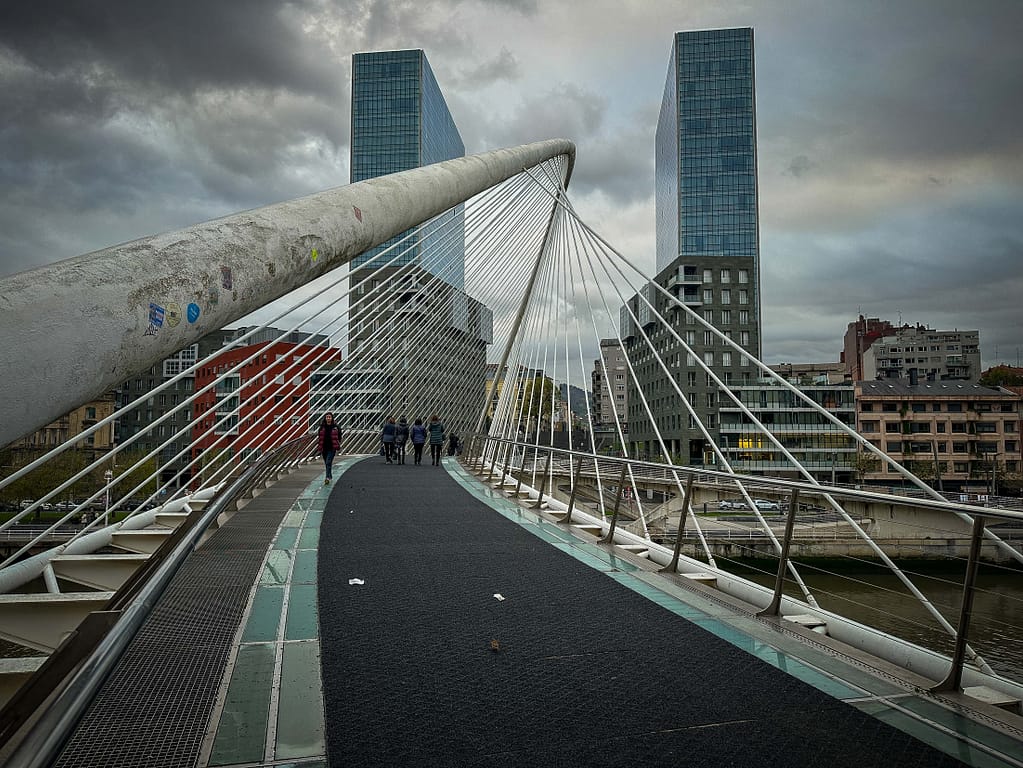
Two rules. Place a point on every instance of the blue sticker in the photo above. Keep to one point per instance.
(193, 312)
(156, 315)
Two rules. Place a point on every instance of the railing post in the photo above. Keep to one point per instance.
(575, 485)
(686, 497)
(507, 462)
(779, 582)
(543, 480)
(494, 461)
(954, 680)
(610, 537)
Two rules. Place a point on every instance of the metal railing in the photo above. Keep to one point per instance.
(535, 467)
(88, 655)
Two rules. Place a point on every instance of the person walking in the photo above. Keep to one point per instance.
(436, 430)
(400, 438)
(453, 444)
(328, 443)
(418, 435)
(387, 436)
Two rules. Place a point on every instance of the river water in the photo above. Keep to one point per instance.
(878, 599)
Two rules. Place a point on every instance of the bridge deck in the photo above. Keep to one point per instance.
(588, 660)
(586, 671)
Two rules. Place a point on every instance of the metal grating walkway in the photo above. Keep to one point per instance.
(154, 709)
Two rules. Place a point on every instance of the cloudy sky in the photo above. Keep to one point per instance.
(890, 149)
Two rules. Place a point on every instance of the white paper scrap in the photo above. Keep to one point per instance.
(499, 596)
(356, 581)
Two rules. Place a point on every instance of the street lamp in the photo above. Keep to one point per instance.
(108, 476)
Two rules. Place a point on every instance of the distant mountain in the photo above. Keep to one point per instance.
(579, 398)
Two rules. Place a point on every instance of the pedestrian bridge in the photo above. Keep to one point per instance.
(522, 604)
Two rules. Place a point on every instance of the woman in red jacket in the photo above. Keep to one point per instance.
(328, 442)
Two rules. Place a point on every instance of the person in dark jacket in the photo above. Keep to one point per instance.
(418, 434)
(400, 438)
(436, 430)
(453, 444)
(387, 437)
(328, 443)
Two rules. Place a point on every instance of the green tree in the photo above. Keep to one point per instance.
(539, 399)
(1002, 376)
(125, 479)
(864, 463)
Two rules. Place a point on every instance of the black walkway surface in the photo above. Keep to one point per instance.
(588, 672)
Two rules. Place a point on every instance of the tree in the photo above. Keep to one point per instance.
(539, 398)
(864, 463)
(1002, 376)
(145, 474)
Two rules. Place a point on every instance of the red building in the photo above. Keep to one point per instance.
(261, 405)
(859, 335)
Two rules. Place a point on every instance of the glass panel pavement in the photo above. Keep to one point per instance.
(273, 709)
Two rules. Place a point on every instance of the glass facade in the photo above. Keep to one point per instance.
(706, 169)
(401, 121)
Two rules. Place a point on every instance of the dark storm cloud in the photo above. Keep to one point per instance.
(179, 46)
(190, 108)
(909, 82)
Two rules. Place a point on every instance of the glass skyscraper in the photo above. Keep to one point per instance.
(401, 121)
(706, 155)
(707, 240)
(416, 339)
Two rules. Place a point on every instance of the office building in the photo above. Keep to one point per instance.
(823, 448)
(401, 121)
(707, 240)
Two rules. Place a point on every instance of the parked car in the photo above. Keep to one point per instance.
(729, 504)
(26, 503)
(765, 505)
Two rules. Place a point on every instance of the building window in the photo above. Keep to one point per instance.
(708, 295)
(743, 317)
(743, 296)
(708, 275)
(708, 315)
(726, 295)
(869, 426)
(894, 446)
(726, 275)
(744, 338)
(726, 316)
(690, 337)
(708, 338)
(726, 358)
(708, 358)
(743, 275)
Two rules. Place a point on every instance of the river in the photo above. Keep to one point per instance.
(879, 599)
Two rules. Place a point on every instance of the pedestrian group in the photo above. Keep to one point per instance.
(393, 438)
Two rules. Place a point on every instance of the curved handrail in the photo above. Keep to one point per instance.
(133, 602)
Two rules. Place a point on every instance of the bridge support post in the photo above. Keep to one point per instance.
(575, 486)
(954, 680)
(507, 462)
(610, 537)
(672, 567)
(543, 480)
(775, 607)
(493, 459)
